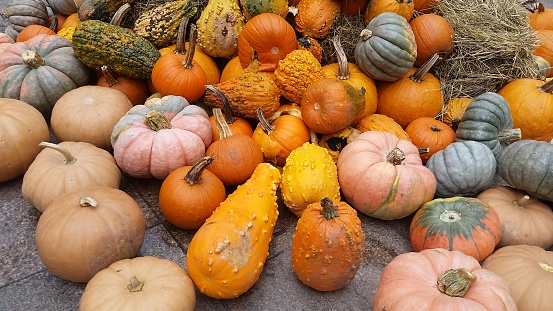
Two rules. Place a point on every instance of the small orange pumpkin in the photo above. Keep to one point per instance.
(236, 125)
(426, 132)
(136, 90)
(33, 30)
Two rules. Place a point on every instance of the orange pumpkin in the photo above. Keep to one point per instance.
(545, 48)
(425, 6)
(426, 132)
(542, 18)
(382, 123)
(236, 125)
(433, 34)
(33, 30)
(136, 90)
(404, 8)
(353, 7)
(315, 18)
(71, 21)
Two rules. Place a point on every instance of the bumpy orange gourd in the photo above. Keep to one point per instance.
(315, 18)
(226, 255)
(236, 125)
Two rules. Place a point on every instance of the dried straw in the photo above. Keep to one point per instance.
(348, 29)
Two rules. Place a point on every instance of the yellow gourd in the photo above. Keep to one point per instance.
(308, 176)
(296, 72)
(226, 255)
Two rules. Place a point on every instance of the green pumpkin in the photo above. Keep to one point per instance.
(102, 10)
(462, 169)
(488, 120)
(386, 49)
(528, 165)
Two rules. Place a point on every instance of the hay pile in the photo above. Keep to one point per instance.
(348, 29)
(493, 45)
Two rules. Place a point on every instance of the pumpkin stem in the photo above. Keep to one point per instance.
(222, 127)
(135, 285)
(195, 173)
(329, 211)
(88, 201)
(229, 118)
(343, 68)
(533, 5)
(119, 14)
(156, 121)
(265, 125)
(181, 46)
(422, 70)
(111, 79)
(396, 156)
(547, 87)
(54, 23)
(313, 138)
(424, 150)
(32, 59)
(455, 282)
(366, 34)
(546, 267)
(520, 202)
(187, 63)
(69, 158)
(509, 135)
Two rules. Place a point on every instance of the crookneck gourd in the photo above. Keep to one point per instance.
(102, 10)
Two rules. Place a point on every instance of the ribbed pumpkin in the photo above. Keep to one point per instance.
(404, 8)
(429, 133)
(33, 30)
(381, 123)
(386, 49)
(5, 41)
(433, 34)
(464, 224)
(328, 245)
(22, 13)
(391, 168)
(545, 48)
(542, 18)
(303, 185)
(65, 7)
(315, 18)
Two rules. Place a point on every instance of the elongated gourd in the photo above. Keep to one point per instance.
(226, 255)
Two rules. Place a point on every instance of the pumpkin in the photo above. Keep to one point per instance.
(311, 45)
(531, 105)
(426, 132)
(189, 195)
(302, 185)
(71, 21)
(329, 105)
(487, 120)
(528, 165)
(386, 49)
(129, 283)
(335, 142)
(545, 47)
(22, 13)
(417, 95)
(236, 156)
(165, 133)
(32, 71)
(65, 7)
(464, 224)
(252, 8)
(236, 125)
(353, 75)
(391, 168)
(67, 167)
(523, 219)
(425, 6)
(136, 90)
(463, 169)
(279, 138)
(85, 231)
(22, 128)
(433, 34)
(353, 7)
(219, 25)
(520, 266)
(381, 123)
(541, 18)
(328, 245)
(102, 10)
(434, 279)
(56, 22)
(404, 8)
(33, 30)
(454, 109)
(226, 255)
(295, 73)
(5, 41)
(315, 18)
(268, 38)
(88, 114)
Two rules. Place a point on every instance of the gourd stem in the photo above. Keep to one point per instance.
(343, 68)
(222, 127)
(187, 63)
(520, 202)
(119, 14)
(509, 135)
(111, 78)
(32, 59)
(265, 125)
(195, 173)
(422, 70)
(455, 282)
(156, 121)
(69, 158)
(135, 285)
(88, 201)
(313, 138)
(181, 44)
(329, 211)
(547, 87)
(54, 23)
(396, 156)
(229, 118)
(424, 150)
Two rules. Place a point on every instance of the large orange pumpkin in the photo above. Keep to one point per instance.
(433, 34)
(404, 8)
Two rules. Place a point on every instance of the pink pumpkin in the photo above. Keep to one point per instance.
(382, 176)
(154, 139)
(5, 41)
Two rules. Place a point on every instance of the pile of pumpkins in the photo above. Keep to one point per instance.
(242, 114)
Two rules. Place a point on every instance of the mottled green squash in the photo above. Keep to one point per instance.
(102, 10)
(251, 8)
(160, 24)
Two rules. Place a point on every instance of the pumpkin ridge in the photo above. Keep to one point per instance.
(392, 52)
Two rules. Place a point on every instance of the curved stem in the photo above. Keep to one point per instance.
(343, 68)
(194, 175)
(329, 210)
(396, 156)
(187, 63)
(547, 87)
(455, 282)
(422, 70)
(222, 127)
(521, 202)
(119, 14)
(229, 118)
(181, 44)
(135, 285)
(156, 121)
(88, 201)
(265, 125)
(69, 158)
(111, 78)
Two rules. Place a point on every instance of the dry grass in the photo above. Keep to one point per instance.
(348, 29)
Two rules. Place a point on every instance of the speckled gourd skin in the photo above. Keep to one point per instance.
(160, 24)
(226, 255)
(102, 10)
(315, 18)
(219, 26)
(251, 8)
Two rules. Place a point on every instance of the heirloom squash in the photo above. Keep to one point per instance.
(252, 8)
(426, 132)
(404, 8)
(393, 171)
(226, 255)
(102, 10)
(22, 128)
(19, 14)
(308, 176)
(129, 284)
(328, 245)
(67, 167)
(386, 49)
(315, 18)
(153, 139)
(464, 224)
(5, 41)
(85, 231)
(438, 279)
